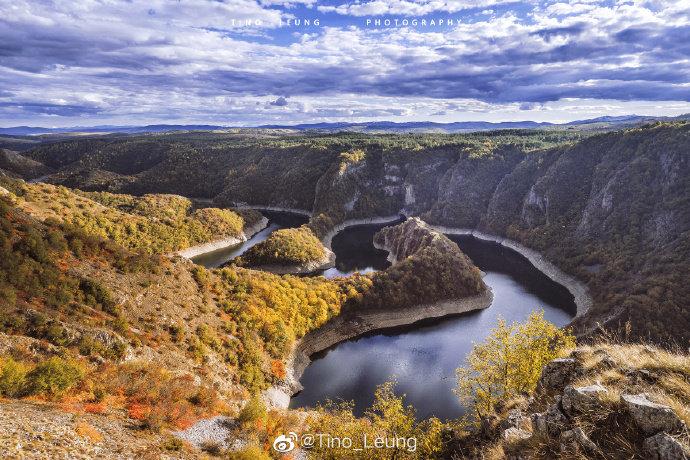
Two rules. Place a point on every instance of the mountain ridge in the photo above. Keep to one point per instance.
(366, 126)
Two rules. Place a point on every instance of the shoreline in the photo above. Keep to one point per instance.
(301, 212)
(247, 233)
(328, 261)
(349, 326)
(580, 292)
(328, 237)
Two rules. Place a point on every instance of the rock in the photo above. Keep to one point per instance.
(515, 419)
(549, 423)
(581, 399)
(662, 446)
(215, 430)
(516, 434)
(640, 376)
(559, 372)
(576, 440)
(649, 416)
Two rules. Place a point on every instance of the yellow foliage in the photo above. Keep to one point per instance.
(154, 224)
(509, 362)
(388, 420)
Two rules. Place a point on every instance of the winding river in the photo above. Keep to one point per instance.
(422, 357)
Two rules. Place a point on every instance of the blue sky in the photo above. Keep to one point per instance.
(98, 62)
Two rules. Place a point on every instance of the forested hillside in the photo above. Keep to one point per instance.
(88, 322)
(612, 209)
(151, 223)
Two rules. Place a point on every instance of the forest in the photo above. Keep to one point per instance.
(150, 223)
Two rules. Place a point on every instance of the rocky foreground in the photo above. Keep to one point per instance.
(604, 401)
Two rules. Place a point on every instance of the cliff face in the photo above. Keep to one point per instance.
(612, 210)
(412, 237)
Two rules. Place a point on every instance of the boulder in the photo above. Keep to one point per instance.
(515, 419)
(576, 440)
(549, 423)
(559, 372)
(516, 434)
(649, 416)
(663, 446)
(581, 399)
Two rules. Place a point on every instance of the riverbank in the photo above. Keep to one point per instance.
(328, 238)
(211, 246)
(328, 261)
(301, 212)
(580, 292)
(355, 324)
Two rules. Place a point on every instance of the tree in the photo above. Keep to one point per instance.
(387, 419)
(508, 363)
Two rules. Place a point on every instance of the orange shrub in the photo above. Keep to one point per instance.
(94, 408)
(278, 368)
(139, 411)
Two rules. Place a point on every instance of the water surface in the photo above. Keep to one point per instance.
(276, 220)
(355, 252)
(422, 358)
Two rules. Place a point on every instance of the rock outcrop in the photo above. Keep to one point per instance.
(662, 446)
(649, 416)
(578, 400)
(566, 418)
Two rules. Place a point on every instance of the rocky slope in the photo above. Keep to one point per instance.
(602, 401)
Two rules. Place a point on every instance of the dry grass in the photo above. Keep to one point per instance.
(663, 375)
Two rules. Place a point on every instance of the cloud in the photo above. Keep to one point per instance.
(280, 102)
(167, 60)
(409, 7)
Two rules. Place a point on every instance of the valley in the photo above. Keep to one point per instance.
(291, 270)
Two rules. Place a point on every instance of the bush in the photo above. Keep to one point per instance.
(12, 377)
(249, 453)
(252, 412)
(53, 377)
(173, 444)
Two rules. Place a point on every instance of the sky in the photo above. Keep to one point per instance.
(248, 62)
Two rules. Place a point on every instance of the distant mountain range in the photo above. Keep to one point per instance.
(367, 127)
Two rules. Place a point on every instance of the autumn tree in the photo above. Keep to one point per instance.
(508, 363)
(388, 418)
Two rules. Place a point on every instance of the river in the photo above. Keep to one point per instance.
(422, 358)
(276, 220)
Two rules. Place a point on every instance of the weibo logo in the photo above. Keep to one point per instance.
(285, 443)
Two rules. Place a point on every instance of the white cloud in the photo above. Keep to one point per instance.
(408, 7)
(168, 60)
